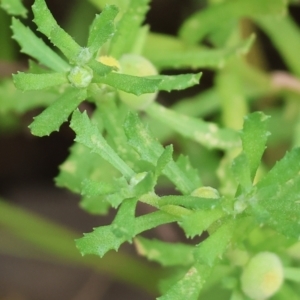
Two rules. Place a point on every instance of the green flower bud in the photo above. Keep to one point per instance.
(262, 276)
(80, 77)
(136, 65)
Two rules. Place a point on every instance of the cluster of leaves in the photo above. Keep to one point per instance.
(117, 161)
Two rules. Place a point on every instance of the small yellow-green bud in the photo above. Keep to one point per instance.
(262, 276)
(206, 192)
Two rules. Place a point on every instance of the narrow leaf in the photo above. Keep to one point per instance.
(241, 171)
(27, 81)
(205, 133)
(89, 135)
(215, 245)
(57, 113)
(170, 53)
(128, 28)
(277, 29)
(131, 84)
(102, 28)
(164, 159)
(14, 7)
(177, 82)
(124, 222)
(35, 47)
(254, 137)
(48, 26)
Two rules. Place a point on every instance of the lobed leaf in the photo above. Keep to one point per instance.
(205, 133)
(201, 23)
(36, 48)
(28, 81)
(49, 27)
(89, 135)
(128, 28)
(14, 7)
(167, 254)
(102, 28)
(53, 116)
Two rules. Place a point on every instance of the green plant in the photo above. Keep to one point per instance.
(121, 158)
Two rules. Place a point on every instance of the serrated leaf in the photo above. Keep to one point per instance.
(199, 221)
(203, 22)
(177, 82)
(128, 28)
(283, 171)
(96, 205)
(124, 222)
(102, 28)
(103, 239)
(131, 84)
(49, 27)
(189, 286)
(205, 133)
(99, 242)
(150, 150)
(254, 137)
(27, 81)
(171, 53)
(275, 200)
(57, 113)
(14, 7)
(211, 249)
(36, 48)
(167, 254)
(89, 135)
